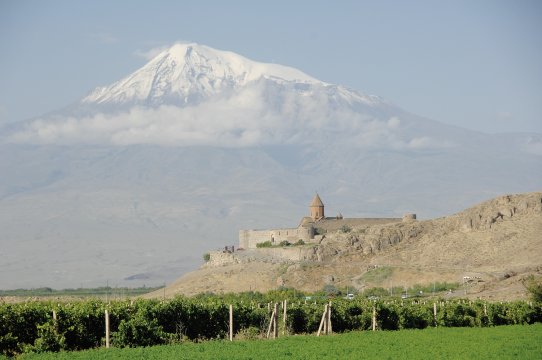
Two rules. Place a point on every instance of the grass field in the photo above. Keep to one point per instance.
(503, 342)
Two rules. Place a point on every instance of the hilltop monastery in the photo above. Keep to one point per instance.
(310, 228)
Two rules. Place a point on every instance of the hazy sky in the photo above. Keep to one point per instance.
(475, 64)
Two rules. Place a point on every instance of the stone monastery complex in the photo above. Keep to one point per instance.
(307, 229)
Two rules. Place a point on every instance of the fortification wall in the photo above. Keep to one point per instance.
(220, 258)
(248, 239)
(333, 224)
(268, 255)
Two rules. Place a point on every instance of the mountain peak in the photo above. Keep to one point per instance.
(188, 73)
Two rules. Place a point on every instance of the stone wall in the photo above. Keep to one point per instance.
(248, 239)
(268, 255)
(333, 224)
(220, 258)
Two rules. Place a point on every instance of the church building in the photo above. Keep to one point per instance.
(307, 229)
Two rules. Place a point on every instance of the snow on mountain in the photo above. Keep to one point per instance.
(194, 95)
(137, 180)
(188, 73)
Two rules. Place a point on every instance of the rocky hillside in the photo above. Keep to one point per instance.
(496, 243)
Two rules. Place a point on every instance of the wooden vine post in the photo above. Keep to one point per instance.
(107, 329)
(325, 323)
(435, 313)
(284, 306)
(276, 321)
(329, 329)
(55, 323)
(374, 318)
(231, 322)
(273, 323)
(270, 326)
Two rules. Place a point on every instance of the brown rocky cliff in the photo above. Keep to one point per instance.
(491, 240)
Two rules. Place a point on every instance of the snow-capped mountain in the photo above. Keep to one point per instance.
(189, 73)
(136, 181)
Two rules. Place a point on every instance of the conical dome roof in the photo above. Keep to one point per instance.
(317, 201)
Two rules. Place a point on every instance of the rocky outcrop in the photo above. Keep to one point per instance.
(369, 240)
(485, 215)
(496, 241)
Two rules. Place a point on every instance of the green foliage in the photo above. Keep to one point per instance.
(319, 231)
(458, 315)
(285, 243)
(206, 257)
(9, 345)
(345, 229)
(139, 331)
(376, 292)
(377, 275)
(331, 290)
(250, 333)
(49, 339)
(351, 315)
(299, 242)
(420, 289)
(80, 325)
(304, 318)
(388, 317)
(415, 317)
(264, 244)
(534, 286)
(505, 342)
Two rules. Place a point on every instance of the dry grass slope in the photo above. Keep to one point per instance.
(496, 243)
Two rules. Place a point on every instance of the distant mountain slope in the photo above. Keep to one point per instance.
(135, 181)
(497, 243)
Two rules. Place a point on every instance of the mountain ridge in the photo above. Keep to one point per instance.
(100, 191)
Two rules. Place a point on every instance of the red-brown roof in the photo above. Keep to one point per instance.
(317, 201)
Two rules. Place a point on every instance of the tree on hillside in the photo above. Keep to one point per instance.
(534, 286)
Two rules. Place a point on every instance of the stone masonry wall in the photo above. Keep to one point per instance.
(249, 238)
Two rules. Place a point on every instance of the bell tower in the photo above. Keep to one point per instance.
(316, 208)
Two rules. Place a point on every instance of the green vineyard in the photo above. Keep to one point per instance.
(50, 326)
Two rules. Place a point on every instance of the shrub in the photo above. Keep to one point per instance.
(387, 317)
(319, 231)
(206, 257)
(8, 345)
(264, 244)
(304, 318)
(250, 333)
(534, 286)
(415, 317)
(331, 290)
(459, 315)
(48, 339)
(345, 229)
(285, 243)
(300, 242)
(139, 331)
(375, 292)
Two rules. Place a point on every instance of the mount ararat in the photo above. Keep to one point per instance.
(133, 183)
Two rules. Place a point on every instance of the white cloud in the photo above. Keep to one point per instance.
(156, 49)
(394, 122)
(257, 115)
